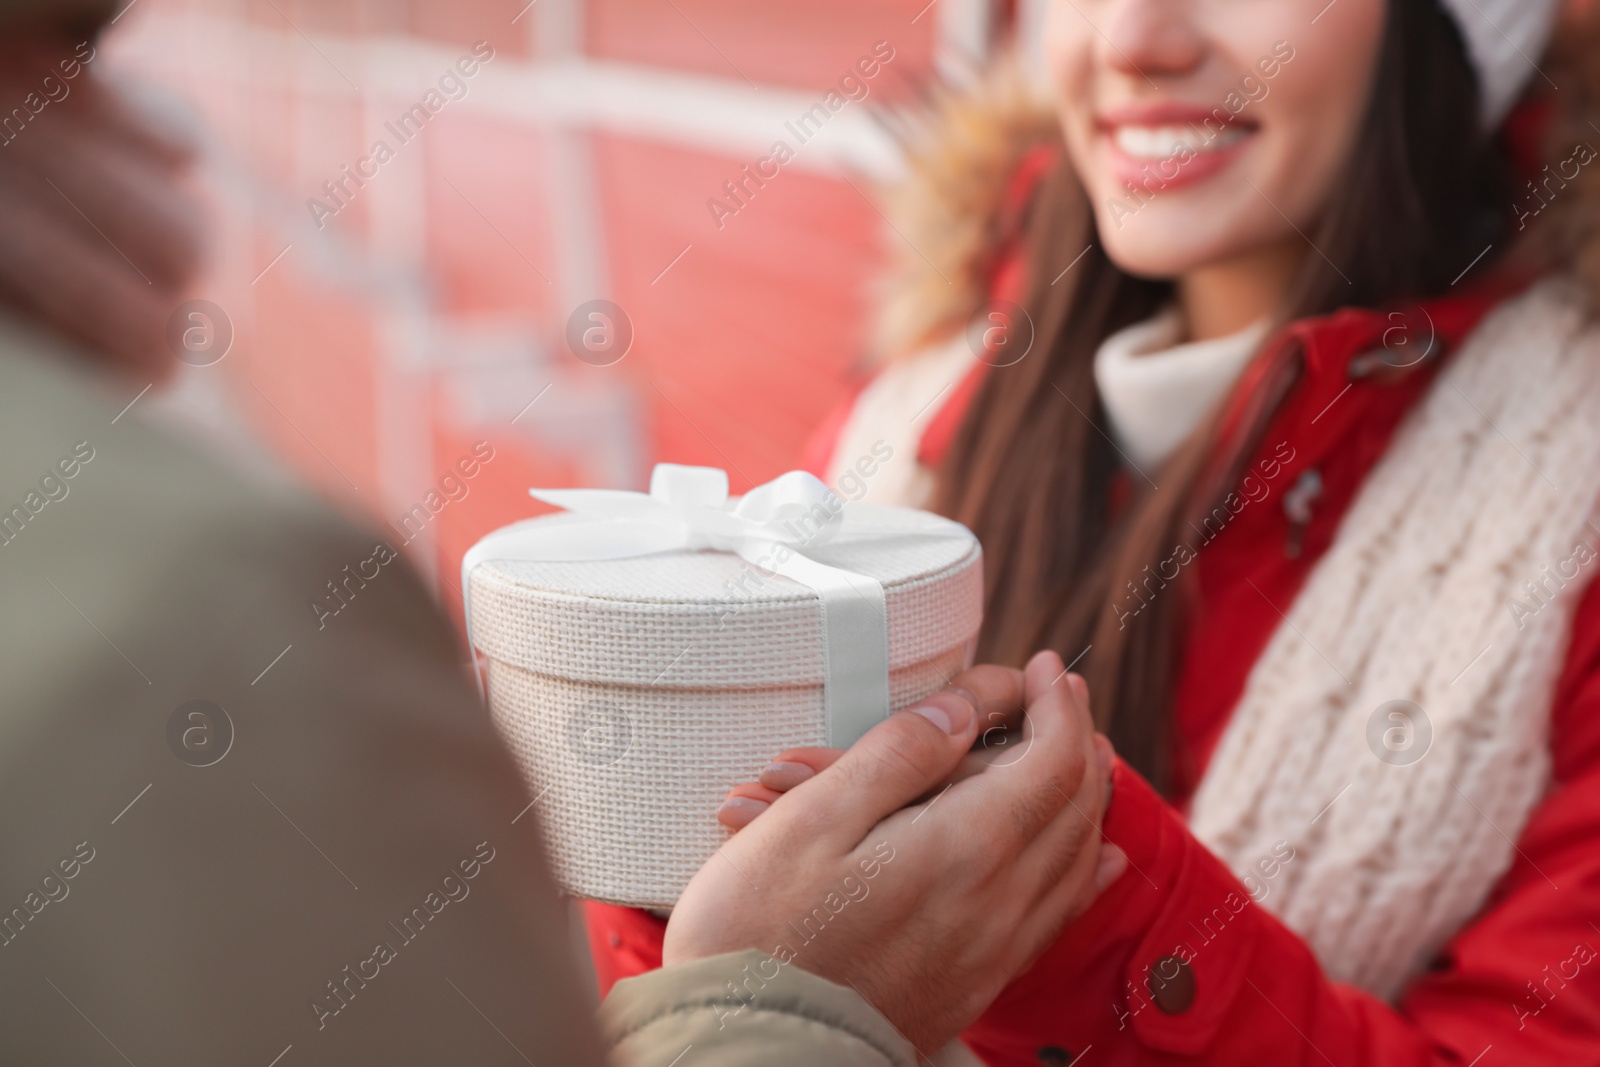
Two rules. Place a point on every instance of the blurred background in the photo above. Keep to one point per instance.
(407, 252)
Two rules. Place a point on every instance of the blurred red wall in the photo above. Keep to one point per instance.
(431, 308)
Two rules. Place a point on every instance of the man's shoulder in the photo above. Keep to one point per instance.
(111, 519)
(61, 418)
(249, 714)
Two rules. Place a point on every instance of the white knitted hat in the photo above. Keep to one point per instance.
(1505, 39)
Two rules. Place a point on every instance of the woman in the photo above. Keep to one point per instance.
(1293, 454)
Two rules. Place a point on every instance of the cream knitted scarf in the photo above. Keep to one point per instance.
(1451, 585)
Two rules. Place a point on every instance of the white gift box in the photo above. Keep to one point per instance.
(647, 653)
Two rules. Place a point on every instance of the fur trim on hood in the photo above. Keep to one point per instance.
(961, 152)
(950, 217)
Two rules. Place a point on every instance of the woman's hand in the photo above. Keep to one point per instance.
(928, 910)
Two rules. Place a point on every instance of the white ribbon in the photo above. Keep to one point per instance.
(687, 510)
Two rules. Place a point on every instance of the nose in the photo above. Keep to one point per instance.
(1148, 38)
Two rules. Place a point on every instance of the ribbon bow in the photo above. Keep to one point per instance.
(688, 509)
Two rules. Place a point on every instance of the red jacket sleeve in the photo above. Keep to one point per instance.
(1177, 964)
(623, 942)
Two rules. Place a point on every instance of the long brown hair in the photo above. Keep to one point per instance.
(1031, 469)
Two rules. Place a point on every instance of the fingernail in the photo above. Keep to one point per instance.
(951, 714)
(741, 809)
(951, 711)
(783, 775)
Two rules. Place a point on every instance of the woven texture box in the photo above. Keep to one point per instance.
(636, 692)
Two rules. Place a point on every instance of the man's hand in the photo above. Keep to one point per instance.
(1004, 738)
(930, 909)
(101, 232)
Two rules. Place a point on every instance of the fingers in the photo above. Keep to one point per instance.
(145, 120)
(52, 275)
(1112, 866)
(793, 766)
(1069, 861)
(124, 110)
(1065, 900)
(999, 692)
(783, 775)
(103, 234)
(1044, 773)
(121, 190)
(745, 802)
(1106, 757)
(1068, 866)
(797, 765)
(1113, 862)
(898, 761)
(138, 203)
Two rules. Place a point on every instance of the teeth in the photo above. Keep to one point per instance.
(1164, 142)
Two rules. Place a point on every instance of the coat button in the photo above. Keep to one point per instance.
(1054, 1056)
(1171, 984)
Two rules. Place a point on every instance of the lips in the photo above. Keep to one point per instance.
(1166, 146)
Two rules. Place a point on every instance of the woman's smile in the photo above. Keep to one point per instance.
(1166, 146)
(1158, 101)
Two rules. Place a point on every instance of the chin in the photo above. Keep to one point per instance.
(1160, 248)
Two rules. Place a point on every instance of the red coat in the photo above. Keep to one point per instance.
(1519, 985)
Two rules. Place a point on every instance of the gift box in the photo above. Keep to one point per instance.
(644, 653)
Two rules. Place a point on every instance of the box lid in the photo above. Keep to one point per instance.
(711, 620)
